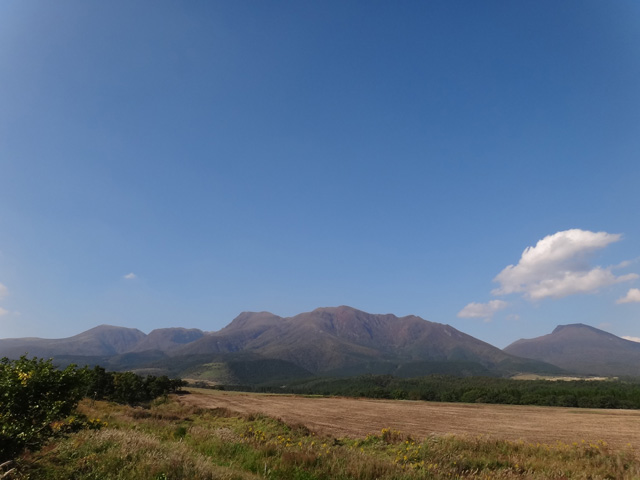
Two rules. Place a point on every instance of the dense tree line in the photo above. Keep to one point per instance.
(439, 388)
(127, 387)
(38, 400)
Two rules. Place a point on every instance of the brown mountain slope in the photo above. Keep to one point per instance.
(330, 339)
(582, 349)
(101, 340)
(335, 341)
(167, 339)
(234, 337)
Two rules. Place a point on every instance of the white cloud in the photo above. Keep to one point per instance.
(4, 291)
(130, 276)
(632, 296)
(3, 312)
(482, 310)
(623, 264)
(558, 266)
(633, 339)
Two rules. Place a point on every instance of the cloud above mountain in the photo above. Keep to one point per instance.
(4, 291)
(632, 296)
(632, 339)
(482, 310)
(558, 266)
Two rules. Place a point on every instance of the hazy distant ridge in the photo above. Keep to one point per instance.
(100, 340)
(582, 349)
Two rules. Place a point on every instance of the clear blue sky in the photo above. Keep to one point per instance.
(282, 156)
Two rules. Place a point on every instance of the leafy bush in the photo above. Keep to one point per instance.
(37, 400)
(34, 395)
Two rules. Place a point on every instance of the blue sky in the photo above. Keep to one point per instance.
(396, 157)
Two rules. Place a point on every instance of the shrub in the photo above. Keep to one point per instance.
(37, 399)
(34, 395)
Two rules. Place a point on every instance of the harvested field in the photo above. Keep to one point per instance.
(347, 417)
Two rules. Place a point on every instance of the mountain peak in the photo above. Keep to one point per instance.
(570, 326)
(582, 349)
(167, 339)
(100, 340)
(110, 328)
(252, 320)
(339, 309)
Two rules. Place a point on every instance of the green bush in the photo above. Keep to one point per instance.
(37, 400)
(34, 396)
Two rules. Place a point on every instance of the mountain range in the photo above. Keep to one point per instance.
(260, 347)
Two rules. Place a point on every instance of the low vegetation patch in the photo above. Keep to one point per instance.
(172, 441)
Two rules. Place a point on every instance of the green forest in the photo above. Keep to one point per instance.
(441, 388)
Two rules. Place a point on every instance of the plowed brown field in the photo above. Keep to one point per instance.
(346, 417)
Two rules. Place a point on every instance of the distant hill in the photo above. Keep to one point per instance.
(99, 341)
(582, 349)
(260, 347)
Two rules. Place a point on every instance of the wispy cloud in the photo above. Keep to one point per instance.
(633, 339)
(557, 266)
(4, 291)
(482, 310)
(632, 296)
(130, 276)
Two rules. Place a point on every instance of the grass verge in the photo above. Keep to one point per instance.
(170, 441)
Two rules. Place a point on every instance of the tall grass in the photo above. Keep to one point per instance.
(171, 442)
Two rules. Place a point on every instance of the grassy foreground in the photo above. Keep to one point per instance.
(170, 441)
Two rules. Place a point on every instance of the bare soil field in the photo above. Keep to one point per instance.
(348, 417)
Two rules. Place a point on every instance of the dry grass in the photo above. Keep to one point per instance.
(176, 441)
(347, 417)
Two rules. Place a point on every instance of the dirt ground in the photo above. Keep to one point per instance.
(346, 417)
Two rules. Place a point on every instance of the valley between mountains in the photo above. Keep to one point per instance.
(260, 348)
